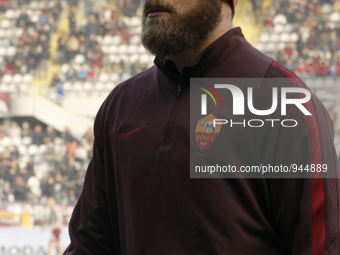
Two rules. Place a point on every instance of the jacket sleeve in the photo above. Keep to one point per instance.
(306, 212)
(90, 227)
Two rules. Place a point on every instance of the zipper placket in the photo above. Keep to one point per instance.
(169, 124)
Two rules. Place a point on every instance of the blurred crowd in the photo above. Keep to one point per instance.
(318, 53)
(56, 168)
(81, 40)
(33, 42)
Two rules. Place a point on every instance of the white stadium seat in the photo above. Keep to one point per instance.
(103, 77)
(16, 141)
(114, 77)
(7, 78)
(274, 38)
(113, 49)
(27, 78)
(27, 140)
(117, 39)
(107, 39)
(5, 141)
(9, 14)
(99, 86)
(17, 78)
(88, 86)
(79, 59)
(122, 49)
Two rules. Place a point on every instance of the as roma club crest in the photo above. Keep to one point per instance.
(206, 133)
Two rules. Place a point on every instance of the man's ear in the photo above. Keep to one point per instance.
(234, 6)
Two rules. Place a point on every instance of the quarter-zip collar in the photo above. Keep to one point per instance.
(213, 56)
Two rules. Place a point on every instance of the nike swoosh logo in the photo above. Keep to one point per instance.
(123, 134)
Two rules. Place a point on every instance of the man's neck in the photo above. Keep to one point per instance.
(189, 57)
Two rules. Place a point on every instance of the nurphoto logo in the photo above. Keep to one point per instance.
(238, 99)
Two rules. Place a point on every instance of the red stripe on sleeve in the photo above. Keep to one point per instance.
(318, 189)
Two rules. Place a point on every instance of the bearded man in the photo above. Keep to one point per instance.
(138, 197)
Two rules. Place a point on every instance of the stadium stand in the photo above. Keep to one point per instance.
(38, 163)
(303, 36)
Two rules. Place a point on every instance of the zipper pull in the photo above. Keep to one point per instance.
(179, 90)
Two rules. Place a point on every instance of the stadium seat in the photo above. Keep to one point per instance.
(117, 39)
(135, 22)
(79, 59)
(109, 86)
(122, 49)
(67, 86)
(18, 31)
(34, 5)
(335, 17)
(34, 18)
(6, 141)
(271, 47)
(326, 8)
(29, 12)
(279, 28)
(126, 76)
(7, 78)
(107, 14)
(264, 38)
(280, 19)
(274, 38)
(64, 68)
(260, 46)
(2, 33)
(126, 21)
(288, 27)
(141, 49)
(328, 55)
(281, 46)
(114, 77)
(144, 58)
(294, 37)
(4, 88)
(17, 13)
(24, 88)
(9, 14)
(133, 58)
(42, 148)
(103, 77)
(11, 50)
(22, 149)
(99, 86)
(107, 40)
(16, 141)
(106, 49)
(27, 140)
(99, 39)
(11, 87)
(132, 49)
(113, 49)
(17, 78)
(22, 164)
(27, 78)
(135, 39)
(285, 37)
(77, 85)
(88, 86)
(5, 23)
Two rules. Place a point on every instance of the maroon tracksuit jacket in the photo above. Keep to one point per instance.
(138, 198)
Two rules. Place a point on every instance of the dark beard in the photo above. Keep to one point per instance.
(166, 36)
